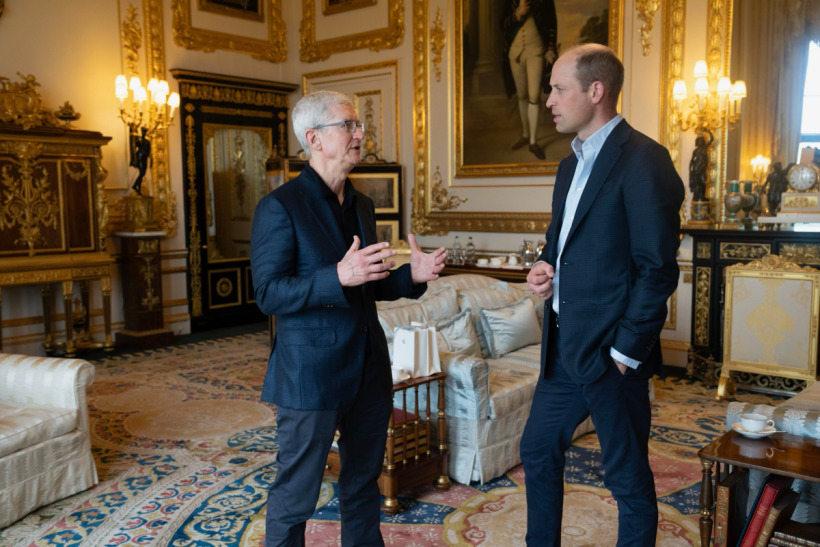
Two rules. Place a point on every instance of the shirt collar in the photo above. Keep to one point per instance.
(584, 150)
(327, 193)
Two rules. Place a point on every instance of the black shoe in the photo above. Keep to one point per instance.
(520, 143)
(537, 151)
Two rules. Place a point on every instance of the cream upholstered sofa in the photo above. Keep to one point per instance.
(45, 446)
(489, 338)
(799, 415)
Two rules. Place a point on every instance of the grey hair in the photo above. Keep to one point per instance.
(599, 63)
(311, 111)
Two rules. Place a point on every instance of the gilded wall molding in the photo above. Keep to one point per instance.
(274, 49)
(646, 12)
(150, 36)
(388, 37)
(441, 199)
(194, 255)
(673, 46)
(438, 39)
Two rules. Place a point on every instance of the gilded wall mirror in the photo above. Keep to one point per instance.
(763, 43)
(235, 159)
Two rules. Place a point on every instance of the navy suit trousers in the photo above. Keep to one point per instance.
(305, 436)
(620, 409)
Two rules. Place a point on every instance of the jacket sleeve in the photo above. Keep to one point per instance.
(652, 199)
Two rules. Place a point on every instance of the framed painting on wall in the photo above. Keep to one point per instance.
(245, 9)
(337, 6)
(502, 124)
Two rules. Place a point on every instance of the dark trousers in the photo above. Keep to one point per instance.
(620, 409)
(305, 437)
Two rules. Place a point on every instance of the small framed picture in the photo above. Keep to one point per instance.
(330, 7)
(388, 230)
(382, 188)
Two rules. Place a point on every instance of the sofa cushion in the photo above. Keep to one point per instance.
(478, 299)
(508, 328)
(459, 334)
(24, 426)
(520, 290)
(398, 313)
(440, 304)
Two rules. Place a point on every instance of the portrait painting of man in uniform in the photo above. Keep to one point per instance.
(505, 54)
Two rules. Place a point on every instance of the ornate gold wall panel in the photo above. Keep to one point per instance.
(134, 37)
(387, 37)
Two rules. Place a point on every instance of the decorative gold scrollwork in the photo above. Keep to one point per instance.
(438, 38)
(646, 12)
(440, 199)
(28, 201)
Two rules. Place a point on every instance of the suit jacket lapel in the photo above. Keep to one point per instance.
(320, 208)
(604, 163)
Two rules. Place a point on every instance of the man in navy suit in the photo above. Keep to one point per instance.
(606, 273)
(318, 267)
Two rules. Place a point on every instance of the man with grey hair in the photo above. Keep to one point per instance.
(317, 266)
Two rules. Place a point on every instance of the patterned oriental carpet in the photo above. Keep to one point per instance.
(185, 452)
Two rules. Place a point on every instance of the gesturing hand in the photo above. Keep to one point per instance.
(358, 266)
(425, 267)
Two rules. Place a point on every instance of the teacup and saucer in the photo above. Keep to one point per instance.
(754, 425)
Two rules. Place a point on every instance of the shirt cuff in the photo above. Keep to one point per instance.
(621, 358)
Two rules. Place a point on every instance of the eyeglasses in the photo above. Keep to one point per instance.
(349, 125)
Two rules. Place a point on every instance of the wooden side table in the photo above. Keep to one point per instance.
(413, 455)
(793, 456)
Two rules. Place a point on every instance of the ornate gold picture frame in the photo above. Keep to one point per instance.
(434, 207)
(330, 7)
(244, 9)
(274, 48)
(385, 37)
(487, 119)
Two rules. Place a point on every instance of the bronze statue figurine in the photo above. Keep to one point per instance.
(698, 167)
(140, 156)
(776, 183)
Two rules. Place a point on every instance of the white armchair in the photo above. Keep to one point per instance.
(45, 444)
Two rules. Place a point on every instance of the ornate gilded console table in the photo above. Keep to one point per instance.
(66, 270)
(714, 250)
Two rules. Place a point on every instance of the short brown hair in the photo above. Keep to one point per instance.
(599, 63)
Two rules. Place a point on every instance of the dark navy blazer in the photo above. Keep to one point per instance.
(319, 348)
(618, 266)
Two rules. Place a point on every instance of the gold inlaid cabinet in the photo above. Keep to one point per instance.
(53, 216)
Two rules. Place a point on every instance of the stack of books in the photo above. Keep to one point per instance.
(769, 521)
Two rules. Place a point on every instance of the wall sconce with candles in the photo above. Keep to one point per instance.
(715, 105)
(147, 111)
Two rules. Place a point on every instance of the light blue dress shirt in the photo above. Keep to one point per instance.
(586, 152)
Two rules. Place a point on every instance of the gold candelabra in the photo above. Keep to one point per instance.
(714, 104)
(141, 111)
(144, 115)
